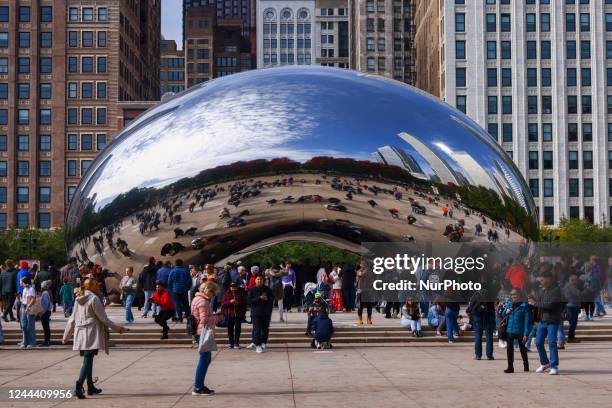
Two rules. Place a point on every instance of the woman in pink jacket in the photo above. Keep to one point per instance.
(201, 310)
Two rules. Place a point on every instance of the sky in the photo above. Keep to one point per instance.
(172, 27)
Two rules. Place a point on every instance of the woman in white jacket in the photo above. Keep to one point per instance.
(90, 325)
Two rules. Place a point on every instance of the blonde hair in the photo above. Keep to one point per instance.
(209, 286)
(86, 285)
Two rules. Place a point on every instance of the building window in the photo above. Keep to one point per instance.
(101, 116)
(88, 14)
(3, 195)
(585, 23)
(87, 90)
(87, 116)
(491, 23)
(506, 49)
(570, 22)
(608, 22)
(534, 162)
(530, 20)
(572, 77)
(23, 168)
(570, 49)
(3, 116)
(44, 195)
(87, 142)
(23, 195)
(73, 64)
(46, 39)
(73, 90)
(3, 168)
(44, 168)
(102, 14)
(585, 49)
(546, 104)
(587, 159)
(4, 14)
(532, 132)
(572, 104)
(460, 22)
(547, 134)
(547, 160)
(45, 116)
(23, 91)
(492, 105)
(101, 65)
(505, 23)
(24, 14)
(507, 132)
(545, 50)
(462, 103)
(506, 76)
(532, 77)
(101, 90)
(46, 65)
(73, 14)
(585, 76)
(44, 143)
(24, 65)
(23, 143)
(44, 220)
(70, 193)
(572, 159)
(72, 168)
(101, 39)
(460, 77)
(574, 189)
(46, 14)
(72, 141)
(460, 50)
(534, 186)
(22, 220)
(532, 50)
(587, 188)
(545, 22)
(85, 166)
(3, 65)
(491, 49)
(24, 39)
(45, 91)
(4, 40)
(73, 116)
(73, 39)
(87, 64)
(507, 105)
(23, 117)
(587, 132)
(586, 104)
(100, 141)
(548, 188)
(87, 39)
(491, 76)
(493, 130)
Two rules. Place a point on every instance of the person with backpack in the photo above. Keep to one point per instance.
(146, 281)
(516, 315)
(483, 320)
(234, 310)
(549, 307)
(162, 299)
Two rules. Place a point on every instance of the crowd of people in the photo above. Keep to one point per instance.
(531, 303)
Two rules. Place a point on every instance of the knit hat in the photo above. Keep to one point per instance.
(318, 295)
(23, 265)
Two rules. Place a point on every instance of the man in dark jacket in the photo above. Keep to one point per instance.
(348, 275)
(482, 311)
(179, 283)
(261, 299)
(549, 306)
(8, 282)
(323, 329)
(146, 281)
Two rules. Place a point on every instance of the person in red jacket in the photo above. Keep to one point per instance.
(162, 298)
(234, 309)
(254, 273)
(516, 275)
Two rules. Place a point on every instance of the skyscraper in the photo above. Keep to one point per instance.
(535, 74)
(64, 66)
(199, 29)
(172, 68)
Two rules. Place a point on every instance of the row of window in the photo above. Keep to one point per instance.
(87, 39)
(173, 62)
(172, 76)
(23, 144)
(23, 91)
(287, 58)
(23, 117)
(573, 187)
(23, 221)
(89, 90)
(24, 14)
(547, 132)
(87, 14)
(271, 28)
(531, 50)
(23, 195)
(586, 106)
(573, 162)
(88, 64)
(287, 43)
(86, 116)
(24, 40)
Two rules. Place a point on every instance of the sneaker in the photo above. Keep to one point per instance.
(237, 346)
(202, 391)
(450, 342)
(477, 358)
(561, 346)
(29, 346)
(22, 346)
(509, 370)
(250, 346)
(258, 349)
(264, 346)
(553, 371)
(542, 368)
(230, 346)
(490, 358)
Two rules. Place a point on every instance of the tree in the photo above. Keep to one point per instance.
(46, 245)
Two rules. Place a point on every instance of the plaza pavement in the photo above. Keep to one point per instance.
(413, 374)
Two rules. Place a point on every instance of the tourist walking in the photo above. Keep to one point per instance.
(66, 295)
(234, 310)
(483, 320)
(517, 316)
(146, 281)
(179, 283)
(46, 302)
(201, 309)
(260, 297)
(573, 295)
(8, 281)
(162, 301)
(275, 276)
(548, 314)
(128, 293)
(364, 293)
(90, 325)
(289, 286)
(26, 314)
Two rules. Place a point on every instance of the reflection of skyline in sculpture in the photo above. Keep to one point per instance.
(515, 190)
(395, 156)
(472, 171)
(442, 170)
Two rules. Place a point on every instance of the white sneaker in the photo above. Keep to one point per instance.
(250, 346)
(258, 349)
(542, 368)
(553, 371)
(237, 346)
(264, 346)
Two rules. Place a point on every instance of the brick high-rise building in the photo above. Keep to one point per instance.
(172, 68)
(332, 33)
(64, 66)
(229, 44)
(199, 29)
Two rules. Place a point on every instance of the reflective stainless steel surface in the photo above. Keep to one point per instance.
(311, 133)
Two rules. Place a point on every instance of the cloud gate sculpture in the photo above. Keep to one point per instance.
(296, 153)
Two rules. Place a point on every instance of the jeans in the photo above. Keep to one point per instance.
(234, 327)
(182, 304)
(484, 323)
(599, 306)
(202, 367)
(44, 321)
(451, 323)
(87, 368)
(610, 291)
(129, 299)
(548, 331)
(28, 327)
(67, 308)
(561, 334)
(261, 326)
(530, 337)
(147, 304)
(573, 312)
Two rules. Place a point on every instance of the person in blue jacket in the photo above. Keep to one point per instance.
(519, 322)
(23, 272)
(179, 283)
(323, 329)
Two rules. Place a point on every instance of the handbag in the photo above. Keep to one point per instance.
(36, 308)
(502, 333)
(207, 340)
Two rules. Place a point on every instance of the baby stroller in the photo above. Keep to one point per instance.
(310, 288)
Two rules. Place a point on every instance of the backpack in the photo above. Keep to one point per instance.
(191, 326)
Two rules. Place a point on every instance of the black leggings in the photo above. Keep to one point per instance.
(522, 348)
(87, 368)
(288, 297)
(368, 306)
(234, 327)
(589, 308)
